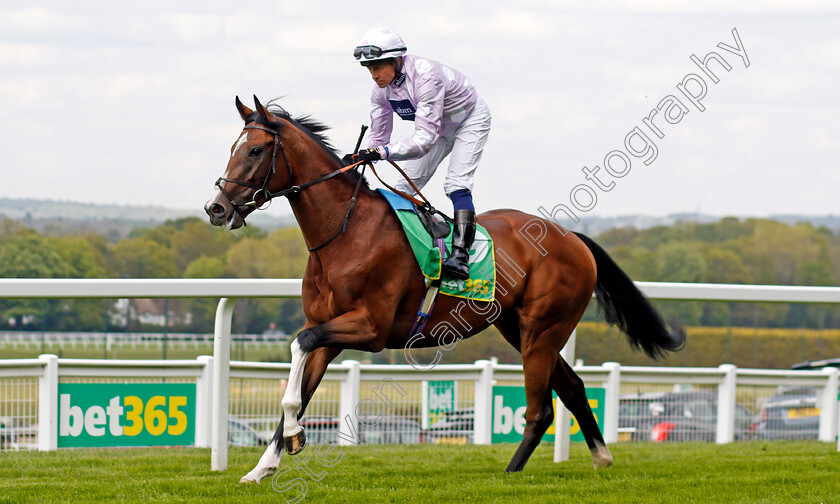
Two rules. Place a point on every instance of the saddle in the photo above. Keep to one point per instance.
(436, 228)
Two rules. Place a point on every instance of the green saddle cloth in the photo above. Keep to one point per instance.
(481, 286)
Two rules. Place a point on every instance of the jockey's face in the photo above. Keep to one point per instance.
(383, 72)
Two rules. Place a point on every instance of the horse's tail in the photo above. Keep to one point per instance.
(627, 308)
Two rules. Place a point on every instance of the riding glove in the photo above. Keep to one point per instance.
(371, 154)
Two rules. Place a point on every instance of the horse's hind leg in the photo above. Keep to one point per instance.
(536, 423)
(571, 391)
(539, 414)
(534, 431)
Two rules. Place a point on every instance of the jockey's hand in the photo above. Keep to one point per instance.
(371, 154)
(348, 159)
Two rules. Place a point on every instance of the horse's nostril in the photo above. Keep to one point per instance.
(217, 209)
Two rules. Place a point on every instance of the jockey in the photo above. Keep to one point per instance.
(449, 117)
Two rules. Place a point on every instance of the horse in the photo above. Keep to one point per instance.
(362, 285)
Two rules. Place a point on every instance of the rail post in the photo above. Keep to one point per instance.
(725, 432)
(483, 426)
(48, 404)
(348, 420)
(221, 385)
(828, 406)
(204, 402)
(613, 390)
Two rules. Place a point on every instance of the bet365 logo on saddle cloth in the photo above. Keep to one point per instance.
(481, 286)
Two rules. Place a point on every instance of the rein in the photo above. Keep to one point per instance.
(424, 205)
(295, 189)
(289, 191)
(343, 227)
(264, 188)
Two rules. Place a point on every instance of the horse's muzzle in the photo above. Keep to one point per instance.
(222, 213)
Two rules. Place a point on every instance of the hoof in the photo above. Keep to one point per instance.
(601, 457)
(248, 481)
(603, 465)
(294, 444)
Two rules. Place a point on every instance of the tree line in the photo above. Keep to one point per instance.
(732, 250)
(749, 251)
(181, 248)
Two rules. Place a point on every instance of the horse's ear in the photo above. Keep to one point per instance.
(244, 111)
(262, 111)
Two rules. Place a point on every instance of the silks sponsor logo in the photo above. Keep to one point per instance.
(404, 109)
(126, 414)
(509, 404)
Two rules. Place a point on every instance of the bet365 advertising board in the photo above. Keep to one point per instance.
(126, 414)
(509, 405)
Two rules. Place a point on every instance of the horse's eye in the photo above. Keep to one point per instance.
(256, 151)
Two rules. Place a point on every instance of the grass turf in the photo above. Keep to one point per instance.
(751, 472)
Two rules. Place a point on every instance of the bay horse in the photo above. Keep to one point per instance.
(362, 285)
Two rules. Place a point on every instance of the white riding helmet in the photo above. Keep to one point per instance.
(379, 44)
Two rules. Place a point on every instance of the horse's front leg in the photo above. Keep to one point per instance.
(269, 461)
(293, 436)
(354, 330)
(316, 366)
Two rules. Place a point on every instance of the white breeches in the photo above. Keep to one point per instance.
(465, 143)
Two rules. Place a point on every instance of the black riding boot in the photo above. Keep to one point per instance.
(457, 264)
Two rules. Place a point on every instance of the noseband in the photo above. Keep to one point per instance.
(289, 191)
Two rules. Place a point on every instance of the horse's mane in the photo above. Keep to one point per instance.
(313, 128)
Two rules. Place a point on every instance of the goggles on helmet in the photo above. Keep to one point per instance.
(371, 51)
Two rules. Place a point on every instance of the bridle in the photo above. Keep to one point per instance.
(289, 191)
(278, 145)
(295, 189)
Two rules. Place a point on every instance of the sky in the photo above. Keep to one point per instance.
(133, 102)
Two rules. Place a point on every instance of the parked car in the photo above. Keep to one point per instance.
(677, 416)
(793, 412)
(385, 429)
(790, 413)
(242, 434)
(456, 427)
(635, 415)
(817, 364)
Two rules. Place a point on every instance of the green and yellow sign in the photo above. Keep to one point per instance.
(441, 399)
(509, 405)
(126, 414)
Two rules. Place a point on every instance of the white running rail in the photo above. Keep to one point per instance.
(229, 290)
